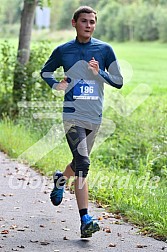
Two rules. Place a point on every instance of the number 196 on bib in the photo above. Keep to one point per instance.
(87, 89)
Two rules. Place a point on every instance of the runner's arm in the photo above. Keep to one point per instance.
(50, 66)
(112, 75)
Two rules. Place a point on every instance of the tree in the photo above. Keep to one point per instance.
(9, 12)
(23, 54)
(145, 28)
(27, 18)
(92, 3)
(66, 11)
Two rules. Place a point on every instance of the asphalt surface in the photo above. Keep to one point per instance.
(29, 222)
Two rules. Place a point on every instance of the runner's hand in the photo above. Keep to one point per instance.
(62, 85)
(94, 66)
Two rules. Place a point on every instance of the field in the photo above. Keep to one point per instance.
(129, 169)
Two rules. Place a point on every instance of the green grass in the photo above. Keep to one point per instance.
(148, 61)
(128, 171)
(140, 197)
(44, 35)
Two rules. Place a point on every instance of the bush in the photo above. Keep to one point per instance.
(33, 87)
(8, 56)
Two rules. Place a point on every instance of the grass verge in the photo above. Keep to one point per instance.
(138, 196)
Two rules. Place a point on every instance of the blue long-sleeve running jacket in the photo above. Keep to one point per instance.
(83, 99)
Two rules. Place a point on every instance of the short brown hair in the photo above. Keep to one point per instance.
(83, 9)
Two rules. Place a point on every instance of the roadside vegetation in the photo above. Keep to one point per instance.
(129, 168)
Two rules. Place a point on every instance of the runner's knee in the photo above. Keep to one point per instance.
(82, 167)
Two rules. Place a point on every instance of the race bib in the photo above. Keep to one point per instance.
(85, 90)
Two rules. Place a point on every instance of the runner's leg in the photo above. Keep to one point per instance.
(68, 172)
(80, 163)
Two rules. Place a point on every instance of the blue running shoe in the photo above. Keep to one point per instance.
(56, 195)
(88, 226)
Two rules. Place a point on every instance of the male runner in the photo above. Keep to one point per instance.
(87, 63)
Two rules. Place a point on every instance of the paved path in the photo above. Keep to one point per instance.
(29, 222)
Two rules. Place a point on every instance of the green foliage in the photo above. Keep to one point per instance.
(91, 3)
(120, 20)
(10, 12)
(9, 129)
(155, 2)
(42, 3)
(28, 76)
(7, 58)
(137, 143)
(146, 24)
(66, 13)
(121, 25)
(131, 20)
(105, 21)
(128, 171)
(162, 24)
(138, 195)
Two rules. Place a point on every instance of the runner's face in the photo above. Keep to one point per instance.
(85, 26)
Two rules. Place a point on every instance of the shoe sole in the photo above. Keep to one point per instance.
(53, 195)
(90, 229)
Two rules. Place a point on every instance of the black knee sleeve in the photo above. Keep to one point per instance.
(81, 166)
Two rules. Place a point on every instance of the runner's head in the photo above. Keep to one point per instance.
(84, 20)
(83, 9)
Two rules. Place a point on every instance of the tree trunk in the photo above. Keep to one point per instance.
(27, 19)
